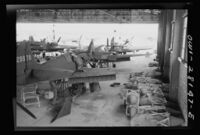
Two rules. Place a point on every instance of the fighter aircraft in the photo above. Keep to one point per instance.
(44, 46)
(101, 57)
(68, 66)
(120, 48)
(39, 46)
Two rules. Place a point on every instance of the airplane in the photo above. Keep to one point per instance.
(95, 57)
(120, 49)
(67, 66)
(39, 46)
(101, 56)
(124, 48)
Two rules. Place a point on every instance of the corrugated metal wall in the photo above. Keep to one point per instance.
(88, 15)
(175, 53)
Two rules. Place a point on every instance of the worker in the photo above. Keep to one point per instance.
(54, 89)
(43, 54)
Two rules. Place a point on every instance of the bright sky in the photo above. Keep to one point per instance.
(99, 32)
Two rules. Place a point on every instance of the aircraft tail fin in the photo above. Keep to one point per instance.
(79, 42)
(112, 43)
(91, 47)
(31, 39)
(126, 42)
(58, 40)
(107, 42)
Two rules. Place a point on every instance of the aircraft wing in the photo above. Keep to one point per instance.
(123, 57)
(88, 75)
(50, 49)
(136, 49)
(92, 75)
(112, 58)
(39, 48)
(38, 75)
(68, 46)
(127, 57)
(51, 74)
(61, 67)
(54, 49)
(58, 68)
(146, 54)
(118, 58)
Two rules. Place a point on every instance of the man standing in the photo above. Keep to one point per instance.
(54, 89)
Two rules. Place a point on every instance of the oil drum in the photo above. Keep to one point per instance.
(132, 99)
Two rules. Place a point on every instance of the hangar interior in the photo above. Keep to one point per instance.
(148, 89)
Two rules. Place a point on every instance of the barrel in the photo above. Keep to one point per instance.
(132, 99)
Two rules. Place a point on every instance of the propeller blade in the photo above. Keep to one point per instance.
(58, 40)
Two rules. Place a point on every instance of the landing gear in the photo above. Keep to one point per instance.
(54, 89)
(77, 89)
(114, 65)
(94, 86)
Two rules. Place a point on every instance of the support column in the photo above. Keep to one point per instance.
(162, 43)
(167, 46)
(159, 36)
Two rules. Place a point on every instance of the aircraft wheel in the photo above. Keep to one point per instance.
(125, 103)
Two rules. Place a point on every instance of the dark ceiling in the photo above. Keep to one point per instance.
(88, 15)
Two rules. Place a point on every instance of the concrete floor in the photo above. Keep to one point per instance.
(102, 108)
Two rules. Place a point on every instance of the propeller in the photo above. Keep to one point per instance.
(126, 42)
(58, 39)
